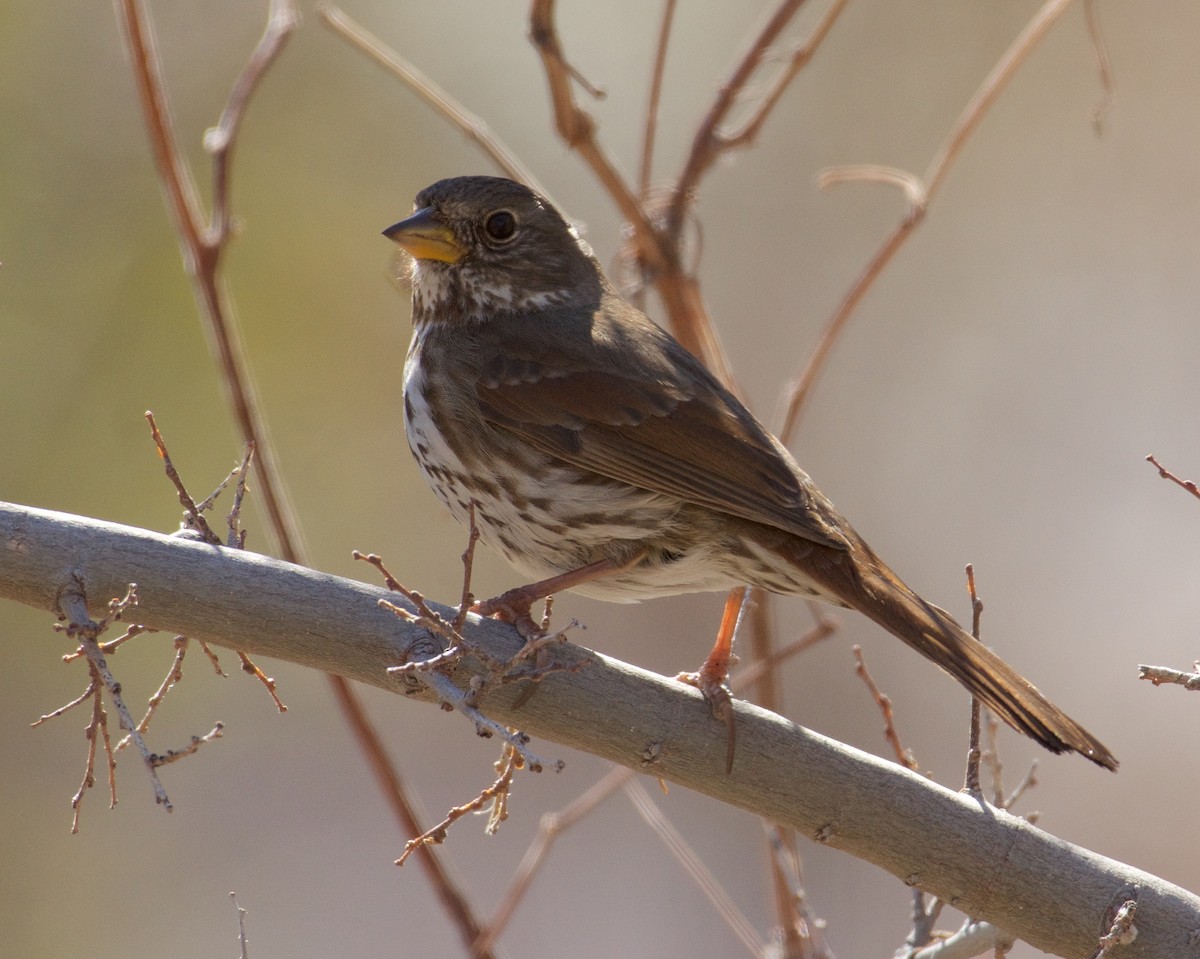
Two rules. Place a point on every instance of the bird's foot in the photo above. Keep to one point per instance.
(535, 660)
(515, 606)
(714, 687)
(712, 677)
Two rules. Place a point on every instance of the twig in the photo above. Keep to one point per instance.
(468, 560)
(553, 825)
(919, 201)
(96, 727)
(237, 535)
(825, 627)
(803, 932)
(194, 520)
(113, 644)
(656, 78)
(1122, 931)
(242, 941)
(991, 756)
(469, 124)
(706, 144)
(66, 707)
(81, 627)
(1164, 674)
(430, 666)
(971, 783)
(212, 658)
(1024, 785)
(903, 756)
(695, 868)
(1168, 475)
(972, 939)
(797, 60)
(203, 243)
(202, 263)
(174, 675)
(251, 668)
(193, 513)
(174, 755)
(282, 20)
(577, 127)
(387, 776)
(924, 921)
(496, 793)
(1108, 87)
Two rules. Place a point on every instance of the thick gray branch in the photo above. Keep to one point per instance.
(989, 864)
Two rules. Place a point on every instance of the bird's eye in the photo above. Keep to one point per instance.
(501, 226)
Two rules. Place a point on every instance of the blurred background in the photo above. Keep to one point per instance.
(991, 402)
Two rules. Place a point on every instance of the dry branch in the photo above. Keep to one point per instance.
(985, 862)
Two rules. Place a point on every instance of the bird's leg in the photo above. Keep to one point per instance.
(514, 605)
(711, 678)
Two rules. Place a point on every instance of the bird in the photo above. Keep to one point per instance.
(593, 452)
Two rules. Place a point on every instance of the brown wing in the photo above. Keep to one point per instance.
(641, 409)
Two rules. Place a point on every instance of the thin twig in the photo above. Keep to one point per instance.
(112, 645)
(798, 59)
(971, 783)
(695, 868)
(492, 794)
(706, 144)
(1168, 475)
(202, 266)
(473, 127)
(553, 825)
(656, 78)
(577, 127)
(919, 201)
(1108, 86)
(82, 628)
(237, 535)
(802, 931)
(203, 243)
(242, 941)
(395, 792)
(1122, 932)
(1164, 674)
(972, 939)
(767, 664)
(174, 675)
(193, 512)
(251, 668)
(924, 921)
(903, 756)
(174, 755)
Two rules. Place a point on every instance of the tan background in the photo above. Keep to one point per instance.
(991, 403)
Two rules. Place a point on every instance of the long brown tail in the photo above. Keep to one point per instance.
(864, 583)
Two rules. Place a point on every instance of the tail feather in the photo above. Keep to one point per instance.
(878, 593)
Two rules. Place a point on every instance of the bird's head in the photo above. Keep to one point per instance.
(486, 246)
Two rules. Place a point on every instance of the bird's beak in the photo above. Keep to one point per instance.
(425, 236)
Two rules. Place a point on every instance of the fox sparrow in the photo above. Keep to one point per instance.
(601, 456)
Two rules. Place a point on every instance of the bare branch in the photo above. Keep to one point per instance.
(841, 797)
(921, 193)
(202, 248)
(1164, 674)
(577, 127)
(1168, 475)
(706, 144)
(656, 78)
(695, 868)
